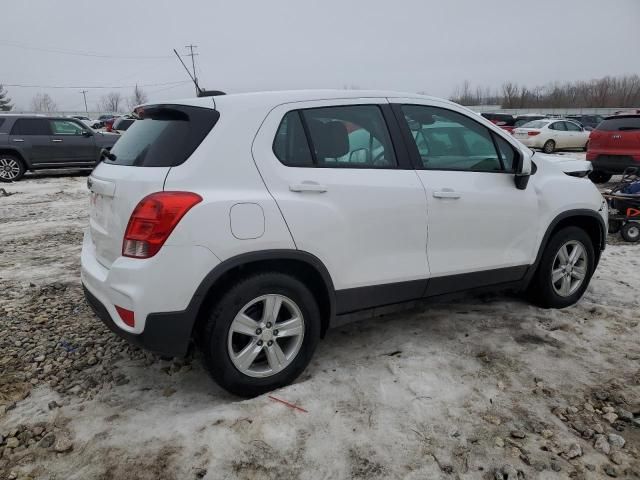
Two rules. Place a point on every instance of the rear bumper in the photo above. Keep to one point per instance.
(161, 291)
(166, 334)
(613, 163)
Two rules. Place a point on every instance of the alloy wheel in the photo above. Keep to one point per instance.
(266, 335)
(569, 268)
(9, 168)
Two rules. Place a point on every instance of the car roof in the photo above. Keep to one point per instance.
(273, 98)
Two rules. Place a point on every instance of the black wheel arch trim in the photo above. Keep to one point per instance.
(552, 226)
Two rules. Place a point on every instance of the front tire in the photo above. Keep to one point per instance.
(630, 231)
(598, 176)
(565, 269)
(549, 146)
(261, 334)
(12, 168)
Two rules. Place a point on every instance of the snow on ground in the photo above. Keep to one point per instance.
(461, 390)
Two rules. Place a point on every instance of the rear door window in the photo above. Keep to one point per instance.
(353, 136)
(619, 124)
(165, 136)
(31, 126)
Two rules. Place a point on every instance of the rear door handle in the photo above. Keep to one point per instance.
(447, 193)
(308, 187)
(57, 140)
(18, 140)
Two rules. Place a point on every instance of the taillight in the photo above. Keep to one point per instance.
(153, 220)
(533, 134)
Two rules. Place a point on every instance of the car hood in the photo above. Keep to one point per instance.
(564, 163)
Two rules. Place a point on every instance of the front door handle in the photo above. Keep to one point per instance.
(56, 140)
(308, 187)
(447, 193)
(18, 139)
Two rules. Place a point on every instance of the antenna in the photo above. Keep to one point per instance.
(193, 79)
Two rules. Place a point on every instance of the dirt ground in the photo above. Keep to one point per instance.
(481, 388)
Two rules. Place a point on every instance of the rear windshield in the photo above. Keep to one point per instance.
(123, 124)
(165, 136)
(534, 124)
(615, 124)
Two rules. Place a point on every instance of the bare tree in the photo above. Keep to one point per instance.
(137, 98)
(43, 103)
(111, 102)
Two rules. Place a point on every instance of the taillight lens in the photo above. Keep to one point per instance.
(533, 134)
(153, 220)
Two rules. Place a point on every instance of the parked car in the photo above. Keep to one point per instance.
(614, 146)
(121, 124)
(254, 222)
(30, 142)
(551, 135)
(529, 117)
(108, 123)
(589, 122)
(505, 121)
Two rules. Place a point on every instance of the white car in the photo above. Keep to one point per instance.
(552, 134)
(251, 223)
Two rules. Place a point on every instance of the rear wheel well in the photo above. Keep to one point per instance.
(14, 153)
(299, 269)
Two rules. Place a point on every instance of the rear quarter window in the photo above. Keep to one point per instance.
(165, 136)
(619, 124)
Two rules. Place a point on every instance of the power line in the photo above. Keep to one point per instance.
(83, 54)
(20, 85)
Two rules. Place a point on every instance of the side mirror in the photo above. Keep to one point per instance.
(523, 171)
(87, 133)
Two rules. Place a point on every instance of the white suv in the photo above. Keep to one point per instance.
(250, 223)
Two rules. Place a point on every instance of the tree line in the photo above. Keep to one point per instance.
(621, 91)
(112, 102)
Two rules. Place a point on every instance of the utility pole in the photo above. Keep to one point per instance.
(84, 94)
(193, 64)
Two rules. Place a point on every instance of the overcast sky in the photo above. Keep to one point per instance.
(408, 45)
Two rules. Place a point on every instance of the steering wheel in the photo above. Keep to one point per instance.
(379, 160)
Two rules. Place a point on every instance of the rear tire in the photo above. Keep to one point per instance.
(230, 331)
(630, 231)
(546, 288)
(12, 168)
(598, 176)
(549, 146)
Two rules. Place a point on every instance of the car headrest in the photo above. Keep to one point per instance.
(331, 139)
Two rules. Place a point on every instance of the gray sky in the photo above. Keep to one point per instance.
(409, 45)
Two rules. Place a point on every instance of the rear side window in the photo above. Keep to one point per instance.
(123, 123)
(615, 124)
(165, 136)
(1, 122)
(31, 126)
(290, 144)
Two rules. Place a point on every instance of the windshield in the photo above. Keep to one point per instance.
(165, 136)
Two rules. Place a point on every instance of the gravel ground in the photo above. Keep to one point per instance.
(483, 388)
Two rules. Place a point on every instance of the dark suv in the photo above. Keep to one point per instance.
(35, 142)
